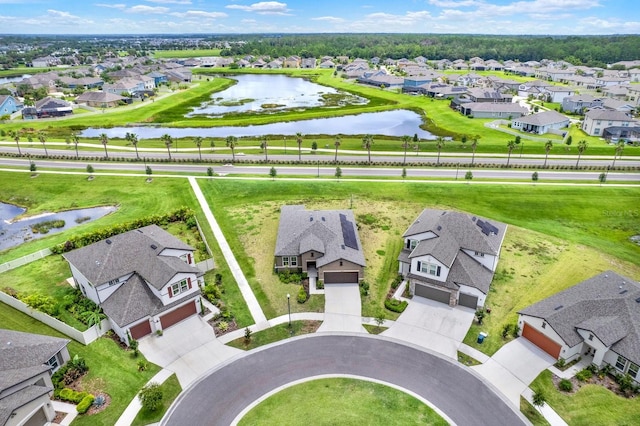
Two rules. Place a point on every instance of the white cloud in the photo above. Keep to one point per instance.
(169, 1)
(120, 6)
(65, 18)
(454, 3)
(200, 14)
(147, 9)
(332, 19)
(263, 8)
(248, 21)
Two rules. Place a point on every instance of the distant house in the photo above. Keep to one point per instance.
(308, 63)
(540, 123)
(291, 62)
(615, 133)
(324, 243)
(124, 85)
(595, 121)
(46, 108)
(493, 110)
(597, 318)
(579, 103)
(145, 280)
(26, 364)
(8, 105)
(451, 256)
(327, 64)
(158, 77)
(477, 94)
(45, 62)
(557, 93)
(100, 99)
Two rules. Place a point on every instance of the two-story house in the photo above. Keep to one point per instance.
(145, 280)
(451, 256)
(597, 120)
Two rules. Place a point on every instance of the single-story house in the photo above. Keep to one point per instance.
(541, 123)
(308, 63)
(322, 242)
(451, 256)
(144, 280)
(26, 364)
(100, 99)
(597, 318)
(493, 110)
(8, 105)
(596, 120)
(47, 107)
(124, 85)
(478, 94)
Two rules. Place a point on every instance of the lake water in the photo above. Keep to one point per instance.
(15, 233)
(260, 93)
(389, 123)
(5, 80)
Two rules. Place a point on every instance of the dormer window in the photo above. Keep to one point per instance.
(180, 287)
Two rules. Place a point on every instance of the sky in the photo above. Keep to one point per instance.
(562, 17)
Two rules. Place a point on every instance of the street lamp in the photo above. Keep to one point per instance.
(318, 168)
(284, 138)
(289, 306)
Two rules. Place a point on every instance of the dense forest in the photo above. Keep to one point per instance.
(578, 50)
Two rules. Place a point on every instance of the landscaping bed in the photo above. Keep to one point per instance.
(276, 333)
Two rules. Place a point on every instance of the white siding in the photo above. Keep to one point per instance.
(444, 271)
(475, 292)
(595, 343)
(177, 253)
(106, 290)
(489, 261)
(84, 283)
(164, 293)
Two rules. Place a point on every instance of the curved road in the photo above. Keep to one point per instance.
(217, 398)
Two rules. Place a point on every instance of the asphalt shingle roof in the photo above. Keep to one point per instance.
(607, 305)
(543, 118)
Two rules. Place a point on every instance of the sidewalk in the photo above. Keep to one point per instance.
(254, 307)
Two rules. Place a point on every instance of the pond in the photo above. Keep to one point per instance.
(14, 233)
(388, 123)
(260, 93)
(15, 79)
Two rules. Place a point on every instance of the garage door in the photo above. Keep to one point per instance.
(468, 300)
(541, 341)
(432, 293)
(140, 330)
(178, 315)
(340, 277)
(39, 418)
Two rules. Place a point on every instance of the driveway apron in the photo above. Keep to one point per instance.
(342, 308)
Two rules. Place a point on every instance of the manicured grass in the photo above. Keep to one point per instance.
(590, 405)
(532, 267)
(276, 333)
(195, 53)
(170, 390)
(467, 360)
(341, 401)
(111, 369)
(374, 329)
(532, 414)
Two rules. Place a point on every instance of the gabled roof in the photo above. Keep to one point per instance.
(607, 305)
(543, 118)
(13, 401)
(138, 251)
(331, 232)
(604, 114)
(99, 97)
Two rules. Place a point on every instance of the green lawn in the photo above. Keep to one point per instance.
(276, 333)
(343, 402)
(590, 405)
(532, 414)
(170, 390)
(111, 369)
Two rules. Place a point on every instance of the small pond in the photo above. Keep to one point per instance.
(388, 123)
(260, 93)
(5, 80)
(14, 233)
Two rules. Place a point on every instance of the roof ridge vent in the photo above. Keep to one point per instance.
(153, 246)
(557, 308)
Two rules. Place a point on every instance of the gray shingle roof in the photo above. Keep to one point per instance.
(599, 305)
(605, 114)
(302, 230)
(543, 118)
(17, 399)
(132, 251)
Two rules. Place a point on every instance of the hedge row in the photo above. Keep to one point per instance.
(182, 214)
(395, 305)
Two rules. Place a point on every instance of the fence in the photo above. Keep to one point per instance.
(204, 239)
(84, 337)
(206, 265)
(24, 260)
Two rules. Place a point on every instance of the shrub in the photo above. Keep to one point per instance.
(396, 281)
(41, 303)
(85, 404)
(302, 295)
(565, 385)
(247, 335)
(364, 288)
(223, 326)
(141, 365)
(99, 401)
(151, 397)
(65, 394)
(584, 375)
(506, 330)
(561, 363)
(395, 305)
(288, 277)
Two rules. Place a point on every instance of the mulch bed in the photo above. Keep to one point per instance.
(59, 417)
(214, 324)
(607, 381)
(96, 410)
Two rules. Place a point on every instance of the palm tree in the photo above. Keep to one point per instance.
(76, 140)
(168, 141)
(42, 137)
(232, 141)
(134, 141)
(16, 137)
(264, 145)
(582, 147)
(510, 147)
(406, 140)
(337, 144)
(618, 152)
(299, 141)
(547, 149)
(198, 141)
(367, 142)
(474, 145)
(104, 140)
(439, 145)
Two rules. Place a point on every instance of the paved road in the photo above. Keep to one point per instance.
(220, 396)
(328, 171)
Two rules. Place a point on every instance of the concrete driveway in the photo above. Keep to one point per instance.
(514, 367)
(189, 349)
(432, 325)
(342, 308)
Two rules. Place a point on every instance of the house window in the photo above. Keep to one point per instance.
(312, 254)
(53, 362)
(179, 287)
(114, 282)
(633, 370)
(431, 269)
(413, 244)
(285, 260)
(289, 261)
(293, 260)
(621, 362)
(596, 131)
(341, 263)
(544, 324)
(479, 254)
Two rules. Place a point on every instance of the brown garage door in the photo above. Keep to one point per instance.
(140, 330)
(432, 293)
(468, 300)
(541, 341)
(178, 315)
(340, 277)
